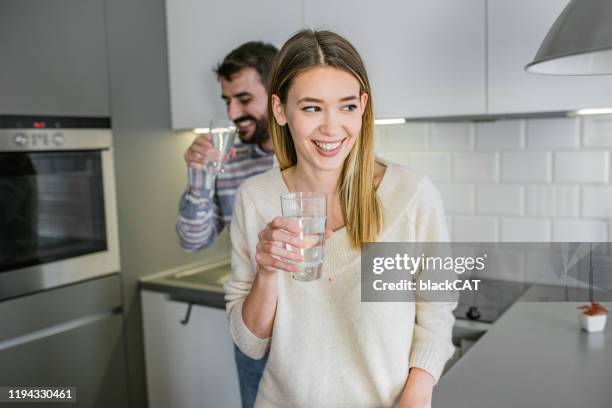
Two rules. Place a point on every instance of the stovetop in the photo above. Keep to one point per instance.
(494, 296)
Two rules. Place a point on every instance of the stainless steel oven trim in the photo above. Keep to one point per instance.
(54, 139)
(53, 274)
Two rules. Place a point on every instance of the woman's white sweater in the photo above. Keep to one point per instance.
(328, 349)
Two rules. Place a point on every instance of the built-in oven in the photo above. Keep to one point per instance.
(58, 216)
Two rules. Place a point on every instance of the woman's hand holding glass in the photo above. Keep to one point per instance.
(278, 246)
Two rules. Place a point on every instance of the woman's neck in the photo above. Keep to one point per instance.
(305, 178)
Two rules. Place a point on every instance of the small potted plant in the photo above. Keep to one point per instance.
(593, 317)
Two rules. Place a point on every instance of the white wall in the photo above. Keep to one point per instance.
(150, 170)
(514, 180)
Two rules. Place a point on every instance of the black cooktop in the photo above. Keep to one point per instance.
(491, 300)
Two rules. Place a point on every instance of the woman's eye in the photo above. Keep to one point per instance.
(311, 109)
(350, 108)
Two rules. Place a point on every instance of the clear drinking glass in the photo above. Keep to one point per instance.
(310, 211)
(222, 134)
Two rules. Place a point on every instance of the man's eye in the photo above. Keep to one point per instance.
(245, 101)
(350, 108)
(311, 109)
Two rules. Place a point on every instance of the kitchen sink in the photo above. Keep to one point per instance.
(214, 276)
(197, 283)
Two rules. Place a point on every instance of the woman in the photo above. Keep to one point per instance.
(328, 349)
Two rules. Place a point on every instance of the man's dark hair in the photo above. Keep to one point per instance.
(254, 54)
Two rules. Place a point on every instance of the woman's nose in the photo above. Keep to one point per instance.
(331, 125)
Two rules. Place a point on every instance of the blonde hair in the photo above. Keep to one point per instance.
(307, 49)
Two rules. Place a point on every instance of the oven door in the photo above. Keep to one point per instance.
(58, 222)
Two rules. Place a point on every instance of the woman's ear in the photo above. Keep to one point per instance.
(278, 110)
(364, 101)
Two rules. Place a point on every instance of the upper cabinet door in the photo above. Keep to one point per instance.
(53, 58)
(516, 29)
(424, 58)
(202, 33)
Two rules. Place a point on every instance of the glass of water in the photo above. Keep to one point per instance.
(222, 134)
(310, 211)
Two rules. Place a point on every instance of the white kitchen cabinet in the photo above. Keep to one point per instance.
(53, 58)
(424, 58)
(188, 365)
(515, 31)
(201, 33)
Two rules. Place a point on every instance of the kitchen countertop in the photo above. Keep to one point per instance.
(535, 355)
(200, 283)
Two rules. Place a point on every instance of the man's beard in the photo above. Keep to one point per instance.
(260, 134)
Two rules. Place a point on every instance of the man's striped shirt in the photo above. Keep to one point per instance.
(206, 206)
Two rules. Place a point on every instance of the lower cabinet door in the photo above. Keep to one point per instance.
(188, 365)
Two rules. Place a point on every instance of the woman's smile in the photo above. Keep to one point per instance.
(328, 148)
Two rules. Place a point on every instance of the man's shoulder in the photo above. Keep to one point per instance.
(250, 150)
(244, 166)
(246, 159)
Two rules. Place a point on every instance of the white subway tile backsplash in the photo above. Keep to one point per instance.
(581, 167)
(403, 138)
(501, 134)
(457, 198)
(528, 180)
(451, 135)
(525, 230)
(499, 199)
(552, 201)
(474, 229)
(435, 165)
(483, 167)
(579, 231)
(553, 133)
(526, 167)
(597, 202)
(598, 131)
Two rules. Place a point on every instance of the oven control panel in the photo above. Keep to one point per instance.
(26, 140)
(49, 133)
(39, 139)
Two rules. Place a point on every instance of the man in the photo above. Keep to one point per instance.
(203, 211)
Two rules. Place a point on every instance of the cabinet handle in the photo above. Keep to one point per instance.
(188, 314)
